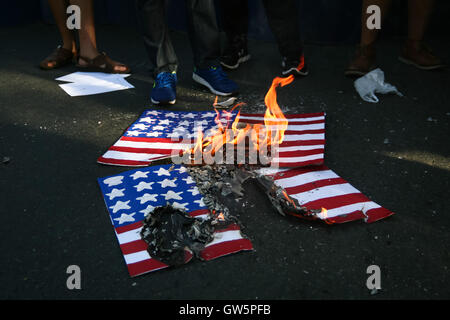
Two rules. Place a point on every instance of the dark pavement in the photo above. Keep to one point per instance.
(53, 215)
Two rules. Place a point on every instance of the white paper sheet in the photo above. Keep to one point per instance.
(88, 83)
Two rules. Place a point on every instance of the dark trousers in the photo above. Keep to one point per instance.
(202, 29)
(282, 16)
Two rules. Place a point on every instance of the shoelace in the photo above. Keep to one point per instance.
(164, 80)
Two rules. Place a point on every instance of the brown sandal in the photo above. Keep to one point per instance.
(101, 63)
(58, 58)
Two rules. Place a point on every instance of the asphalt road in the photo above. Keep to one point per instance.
(53, 215)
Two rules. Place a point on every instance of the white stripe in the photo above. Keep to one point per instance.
(317, 126)
(298, 159)
(129, 236)
(289, 119)
(305, 178)
(303, 137)
(120, 155)
(151, 145)
(297, 148)
(136, 257)
(220, 237)
(325, 192)
(362, 206)
(270, 171)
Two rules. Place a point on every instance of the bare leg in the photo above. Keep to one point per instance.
(414, 52)
(58, 8)
(419, 12)
(88, 41)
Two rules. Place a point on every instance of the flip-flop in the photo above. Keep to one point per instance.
(101, 63)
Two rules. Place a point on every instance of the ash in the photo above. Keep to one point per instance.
(170, 232)
(222, 187)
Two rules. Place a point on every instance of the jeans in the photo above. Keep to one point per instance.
(203, 34)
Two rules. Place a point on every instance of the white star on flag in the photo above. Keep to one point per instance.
(184, 123)
(143, 185)
(167, 183)
(139, 174)
(194, 191)
(147, 119)
(153, 134)
(165, 121)
(147, 197)
(188, 180)
(162, 172)
(200, 202)
(120, 205)
(134, 133)
(115, 193)
(159, 128)
(125, 218)
(147, 210)
(209, 115)
(172, 195)
(141, 126)
(189, 115)
(153, 112)
(172, 115)
(181, 206)
(113, 181)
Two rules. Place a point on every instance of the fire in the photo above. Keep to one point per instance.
(260, 136)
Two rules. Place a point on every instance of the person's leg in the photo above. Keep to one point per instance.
(283, 21)
(205, 42)
(365, 56)
(414, 51)
(64, 54)
(87, 37)
(234, 17)
(58, 9)
(151, 16)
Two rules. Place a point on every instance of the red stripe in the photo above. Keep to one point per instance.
(290, 123)
(316, 131)
(230, 227)
(224, 248)
(336, 202)
(144, 266)
(126, 163)
(300, 153)
(151, 140)
(129, 227)
(282, 164)
(199, 212)
(314, 185)
(296, 143)
(144, 150)
(288, 116)
(133, 246)
(297, 171)
(357, 215)
(377, 214)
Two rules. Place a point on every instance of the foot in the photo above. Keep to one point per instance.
(419, 55)
(235, 53)
(165, 88)
(216, 80)
(104, 64)
(58, 58)
(296, 67)
(363, 62)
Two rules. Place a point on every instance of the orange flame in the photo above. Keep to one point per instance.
(272, 132)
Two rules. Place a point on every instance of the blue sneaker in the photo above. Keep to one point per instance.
(165, 88)
(216, 80)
